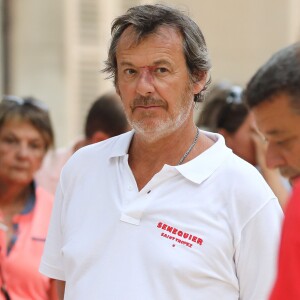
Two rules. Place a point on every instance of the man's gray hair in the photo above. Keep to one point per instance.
(146, 19)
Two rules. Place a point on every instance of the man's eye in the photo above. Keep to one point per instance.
(161, 70)
(129, 71)
(283, 142)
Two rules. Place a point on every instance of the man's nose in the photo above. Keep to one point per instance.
(145, 83)
(274, 157)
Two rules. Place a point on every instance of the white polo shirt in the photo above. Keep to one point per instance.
(207, 229)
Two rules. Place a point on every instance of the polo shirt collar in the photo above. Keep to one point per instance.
(203, 166)
(122, 144)
(196, 170)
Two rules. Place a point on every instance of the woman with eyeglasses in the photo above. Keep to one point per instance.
(25, 136)
(223, 111)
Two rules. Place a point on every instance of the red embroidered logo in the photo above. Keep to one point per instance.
(179, 236)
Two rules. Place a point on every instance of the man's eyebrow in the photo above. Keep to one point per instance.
(126, 64)
(161, 62)
(155, 63)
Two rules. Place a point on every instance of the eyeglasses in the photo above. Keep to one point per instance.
(25, 101)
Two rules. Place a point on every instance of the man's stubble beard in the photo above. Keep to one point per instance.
(157, 129)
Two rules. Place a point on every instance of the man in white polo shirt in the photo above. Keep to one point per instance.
(165, 211)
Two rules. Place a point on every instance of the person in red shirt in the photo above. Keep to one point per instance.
(273, 95)
(287, 285)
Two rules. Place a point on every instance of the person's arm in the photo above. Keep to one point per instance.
(272, 176)
(53, 295)
(60, 289)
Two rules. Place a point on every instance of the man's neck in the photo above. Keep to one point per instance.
(147, 158)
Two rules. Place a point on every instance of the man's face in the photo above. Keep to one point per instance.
(280, 125)
(154, 83)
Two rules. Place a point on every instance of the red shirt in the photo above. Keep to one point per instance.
(20, 265)
(287, 284)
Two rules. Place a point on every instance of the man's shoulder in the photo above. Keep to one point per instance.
(222, 159)
(244, 175)
(239, 166)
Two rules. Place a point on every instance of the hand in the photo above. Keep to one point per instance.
(272, 176)
(260, 148)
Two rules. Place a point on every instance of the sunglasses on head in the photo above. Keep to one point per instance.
(232, 107)
(235, 95)
(25, 101)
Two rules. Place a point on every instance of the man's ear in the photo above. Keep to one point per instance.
(99, 136)
(199, 81)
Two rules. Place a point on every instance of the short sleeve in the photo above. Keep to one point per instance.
(257, 252)
(51, 263)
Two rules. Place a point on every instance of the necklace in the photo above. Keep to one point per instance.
(190, 149)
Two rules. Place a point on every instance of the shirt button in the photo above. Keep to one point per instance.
(130, 188)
